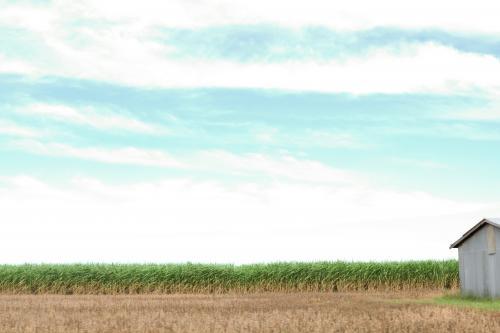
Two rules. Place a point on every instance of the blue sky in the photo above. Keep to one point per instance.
(227, 131)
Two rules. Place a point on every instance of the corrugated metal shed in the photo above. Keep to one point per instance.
(478, 259)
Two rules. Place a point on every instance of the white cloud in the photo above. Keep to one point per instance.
(230, 164)
(186, 220)
(34, 18)
(415, 68)
(120, 45)
(276, 167)
(12, 129)
(14, 66)
(90, 116)
(468, 16)
(257, 208)
(127, 155)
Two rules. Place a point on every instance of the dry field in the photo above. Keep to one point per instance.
(270, 312)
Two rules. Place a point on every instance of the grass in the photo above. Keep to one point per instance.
(448, 299)
(204, 278)
(467, 301)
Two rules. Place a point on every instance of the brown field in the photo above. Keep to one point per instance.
(271, 312)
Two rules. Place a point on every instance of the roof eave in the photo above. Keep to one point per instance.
(470, 232)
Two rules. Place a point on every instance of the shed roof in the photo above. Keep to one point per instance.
(492, 221)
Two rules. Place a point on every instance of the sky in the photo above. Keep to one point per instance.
(228, 131)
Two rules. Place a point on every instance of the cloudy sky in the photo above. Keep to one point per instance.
(246, 131)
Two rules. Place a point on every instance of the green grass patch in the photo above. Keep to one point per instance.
(466, 301)
(206, 278)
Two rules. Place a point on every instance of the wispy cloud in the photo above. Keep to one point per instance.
(415, 68)
(276, 167)
(214, 161)
(308, 138)
(271, 43)
(126, 155)
(420, 163)
(90, 116)
(452, 130)
(485, 113)
(467, 131)
(147, 60)
(353, 15)
(15, 66)
(13, 129)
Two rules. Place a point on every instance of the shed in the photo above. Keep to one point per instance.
(479, 262)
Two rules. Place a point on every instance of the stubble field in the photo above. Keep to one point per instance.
(262, 312)
(276, 297)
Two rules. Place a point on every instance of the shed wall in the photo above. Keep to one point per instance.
(496, 268)
(479, 271)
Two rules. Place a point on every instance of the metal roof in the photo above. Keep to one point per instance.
(492, 221)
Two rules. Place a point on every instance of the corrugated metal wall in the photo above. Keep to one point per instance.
(480, 264)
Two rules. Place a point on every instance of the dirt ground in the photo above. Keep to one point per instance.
(273, 312)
